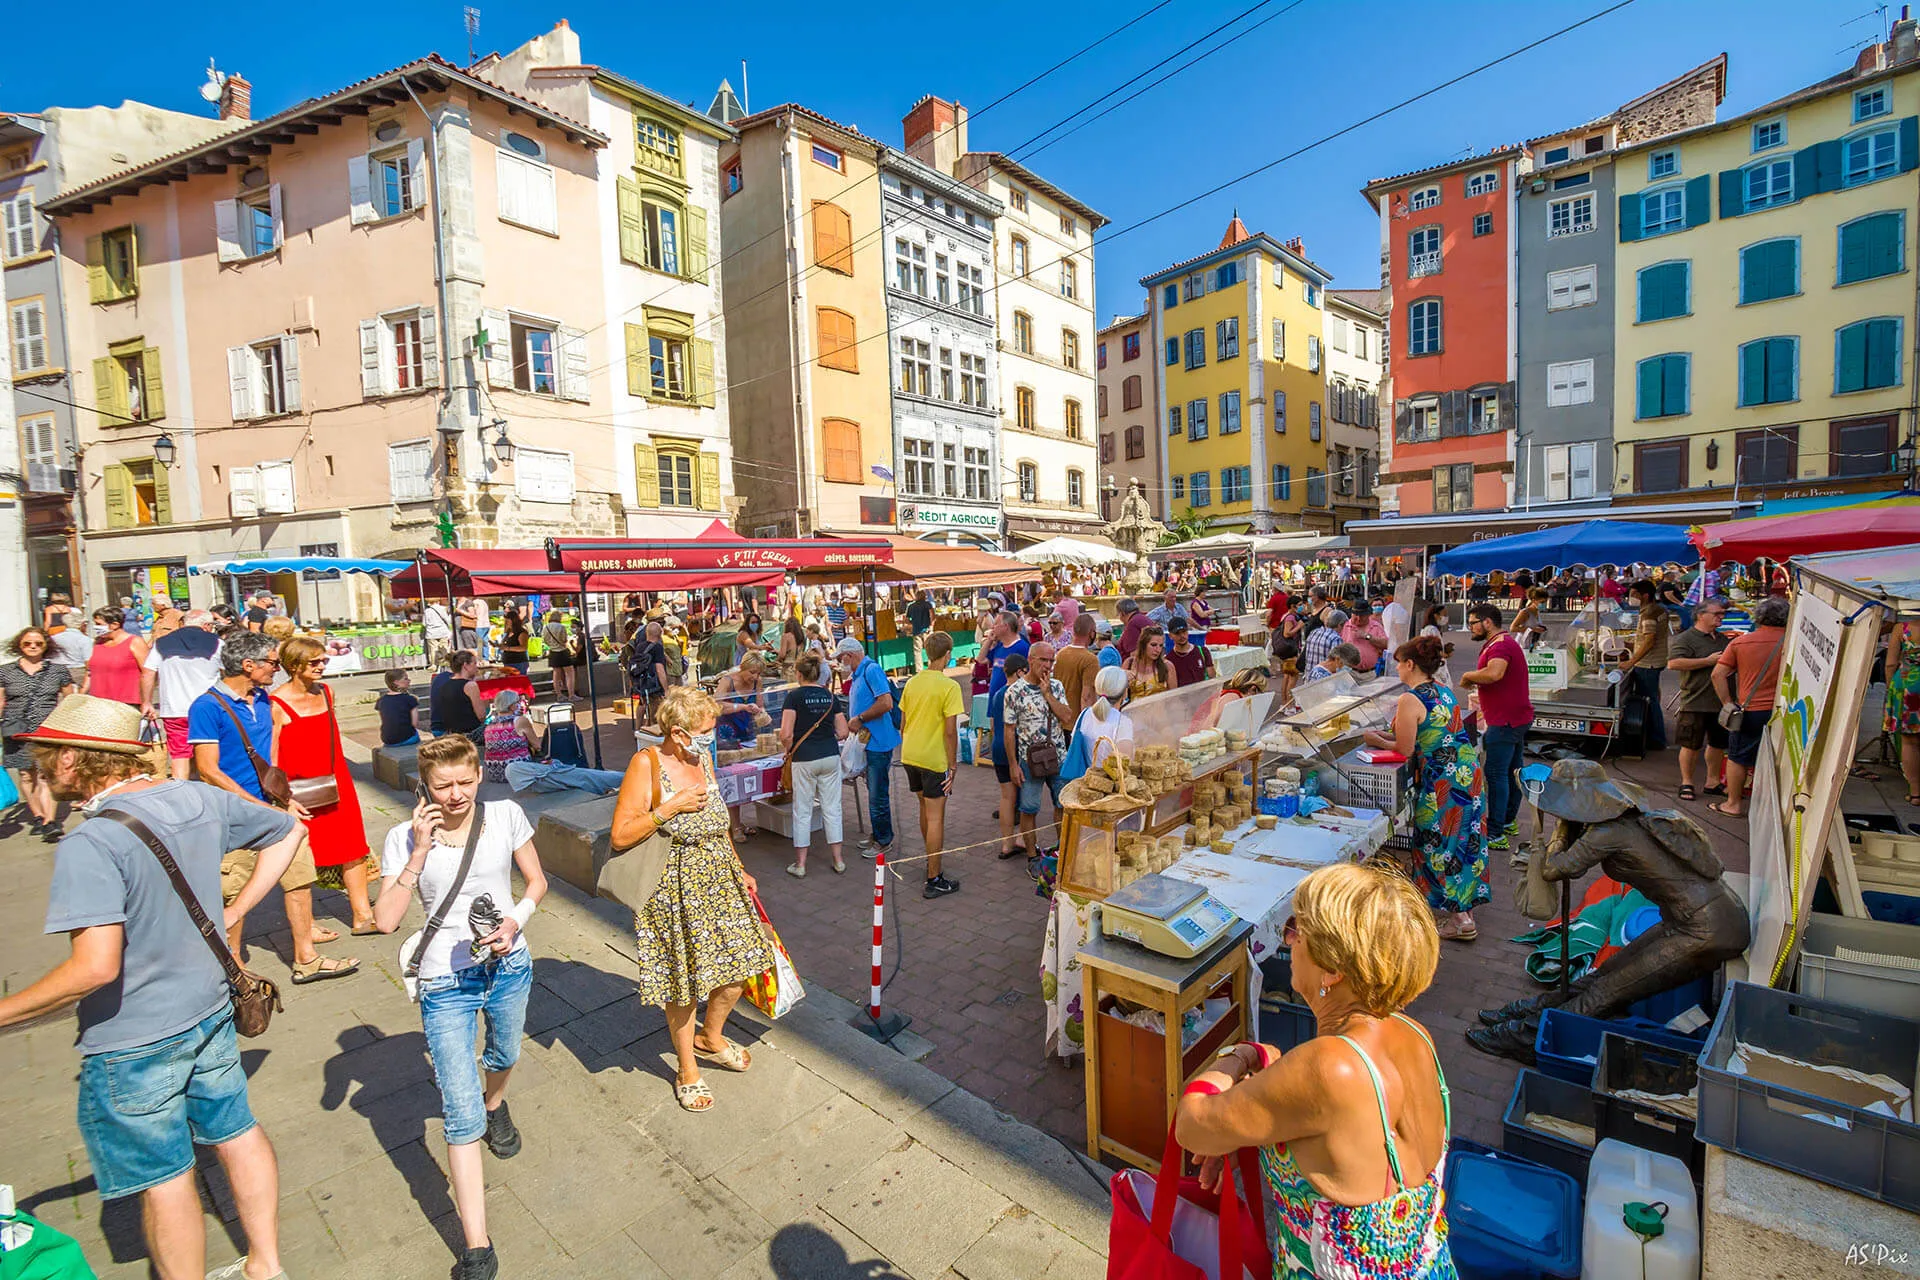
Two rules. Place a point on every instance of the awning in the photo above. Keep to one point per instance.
(1891, 574)
(932, 564)
(1796, 506)
(1889, 522)
(719, 549)
(1585, 545)
(1453, 530)
(512, 572)
(298, 564)
(1075, 552)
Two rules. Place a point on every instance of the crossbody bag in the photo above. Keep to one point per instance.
(629, 876)
(416, 944)
(255, 999)
(786, 762)
(1734, 713)
(274, 787)
(321, 793)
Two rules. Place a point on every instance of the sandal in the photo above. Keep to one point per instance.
(320, 968)
(694, 1097)
(1726, 813)
(365, 930)
(1687, 792)
(1914, 801)
(797, 871)
(1452, 930)
(323, 935)
(1717, 789)
(730, 1055)
(839, 867)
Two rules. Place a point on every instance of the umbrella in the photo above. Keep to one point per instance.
(1072, 551)
(1889, 522)
(1589, 543)
(299, 564)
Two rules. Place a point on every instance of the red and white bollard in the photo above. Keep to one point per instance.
(881, 1026)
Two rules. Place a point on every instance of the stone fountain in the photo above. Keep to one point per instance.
(1135, 530)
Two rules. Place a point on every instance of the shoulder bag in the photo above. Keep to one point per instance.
(321, 793)
(274, 787)
(416, 944)
(255, 999)
(1042, 756)
(786, 763)
(629, 876)
(1732, 714)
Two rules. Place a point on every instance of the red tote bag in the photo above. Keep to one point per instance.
(1213, 1227)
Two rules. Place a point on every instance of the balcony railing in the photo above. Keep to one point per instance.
(1424, 264)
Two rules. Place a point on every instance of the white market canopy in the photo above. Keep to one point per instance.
(1074, 552)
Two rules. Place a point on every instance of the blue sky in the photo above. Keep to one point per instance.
(1316, 67)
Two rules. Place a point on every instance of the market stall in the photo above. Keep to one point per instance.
(930, 566)
(351, 647)
(1885, 522)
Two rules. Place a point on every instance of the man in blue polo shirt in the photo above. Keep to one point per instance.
(870, 708)
(249, 661)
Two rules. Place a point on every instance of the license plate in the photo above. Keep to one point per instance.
(1560, 726)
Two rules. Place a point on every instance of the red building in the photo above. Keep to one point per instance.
(1447, 252)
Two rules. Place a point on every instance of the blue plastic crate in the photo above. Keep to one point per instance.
(1286, 1025)
(1567, 1046)
(1538, 1093)
(1511, 1219)
(1668, 1005)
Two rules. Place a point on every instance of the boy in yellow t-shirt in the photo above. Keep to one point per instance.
(930, 707)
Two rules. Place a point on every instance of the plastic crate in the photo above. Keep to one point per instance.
(1511, 1219)
(1567, 1046)
(1634, 1064)
(1668, 1005)
(1824, 1139)
(1863, 984)
(1372, 786)
(1286, 1025)
(1537, 1093)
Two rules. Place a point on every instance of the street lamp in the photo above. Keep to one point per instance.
(1903, 460)
(502, 446)
(163, 450)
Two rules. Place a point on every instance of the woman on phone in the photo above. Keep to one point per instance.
(463, 976)
(306, 744)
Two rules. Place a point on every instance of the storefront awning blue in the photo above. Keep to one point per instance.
(299, 564)
(1596, 542)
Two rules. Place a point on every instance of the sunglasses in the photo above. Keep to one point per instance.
(1290, 932)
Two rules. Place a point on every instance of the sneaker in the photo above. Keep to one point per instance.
(237, 1270)
(1499, 844)
(939, 887)
(478, 1264)
(503, 1138)
(797, 871)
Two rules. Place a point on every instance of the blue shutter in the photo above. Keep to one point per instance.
(1782, 361)
(1883, 241)
(1173, 348)
(1850, 358)
(1806, 173)
(1753, 371)
(1828, 165)
(1170, 297)
(1675, 394)
(1733, 193)
(1883, 353)
(1696, 204)
(1629, 217)
(1857, 245)
(1647, 399)
(1910, 144)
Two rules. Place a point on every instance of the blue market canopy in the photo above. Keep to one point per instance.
(299, 564)
(1594, 542)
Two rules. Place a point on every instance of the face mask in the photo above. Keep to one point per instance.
(701, 741)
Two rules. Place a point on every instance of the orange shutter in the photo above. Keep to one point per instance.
(840, 447)
(837, 342)
(832, 237)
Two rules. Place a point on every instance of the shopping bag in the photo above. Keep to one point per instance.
(853, 756)
(1076, 763)
(1168, 1227)
(778, 989)
(35, 1251)
(9, 794)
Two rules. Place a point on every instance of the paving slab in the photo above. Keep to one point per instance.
(920, 1211)
(1017, 1159)
(781, 1091)
(704, 1230)
(785, 1172)
(813, 1246)
(1023, 1247)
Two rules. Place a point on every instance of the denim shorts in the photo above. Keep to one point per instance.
(1032, 789)
(450, 1009)
(143, 1109)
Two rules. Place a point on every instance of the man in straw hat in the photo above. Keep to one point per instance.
(159, 1068)
(1616, 826)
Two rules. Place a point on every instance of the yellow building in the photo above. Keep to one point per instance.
(1766, 296)
(1238, 374)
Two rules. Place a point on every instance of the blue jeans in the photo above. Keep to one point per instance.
(1033, 788)
(1501, 748)
(450, 1009)
(880, 795)
(143, 1109)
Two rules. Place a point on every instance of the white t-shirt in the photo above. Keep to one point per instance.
(481, 621)
(504, 828)
(186, 663)
(434, 616)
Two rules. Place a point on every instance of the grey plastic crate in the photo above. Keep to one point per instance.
(1823, 1139)
(1874, 987)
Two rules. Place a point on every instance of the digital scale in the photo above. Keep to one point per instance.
(1169, 916)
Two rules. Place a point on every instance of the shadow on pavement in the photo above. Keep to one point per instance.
(803, 1251)
(362, 1076)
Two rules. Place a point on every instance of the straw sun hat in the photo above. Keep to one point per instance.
(93, 724)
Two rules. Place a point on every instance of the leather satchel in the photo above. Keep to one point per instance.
(255, 999)
(631, 875)
(274, 787)
(323, 792)
(1734, 714)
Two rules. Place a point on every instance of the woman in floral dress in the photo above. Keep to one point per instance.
(1903, 701)
(698, 937)
(1449, 843)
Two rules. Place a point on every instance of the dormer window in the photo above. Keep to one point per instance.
(1425, 198)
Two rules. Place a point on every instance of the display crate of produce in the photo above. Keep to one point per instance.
(1536, 1093)
(1635, 1065)
(1285, 1025)
(1567, 1046)
(1804, 1120)
(1869, 964)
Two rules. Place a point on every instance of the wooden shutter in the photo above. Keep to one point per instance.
(1676, 395)
(1280, 413)
(243, 492)
(240, 382)
(98, 287)
(162, 496)
(1753, 373)
(1850, 358)
(360, 190)
(276, 488)
(1508, 422)
(1647, 396)
(840, 451)
(499, 352)
(703, 388)
(1883, 353)
(429, 346)
(1733, 192)
(709, 468)
(117, 486)
(106, 390)
(226, 229)
(1696, 204)
(275, 213)
(837, 340)
(637, 360)
(646, 475)
(155, 401)
(696, 264)
(832, 237)
(633, 227)
(290, 370)
(1630, 217)
(575, 380)
(417, 172)
(1909, 144)
(372, 375)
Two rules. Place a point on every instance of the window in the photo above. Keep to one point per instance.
(1069, 278)
(1482, 224)
(258, 227)
(1130, 393)
(398, 178)
(1575, 287)
(1867, 355)
(1343, 471)
(1076, 485)
(264, 378)
(1425, 198)
(1660, 468)
(1663, 211)
(41, 456)
(1229, 412)
(17, 223)
(1483, 412)
(1313, 353)
(526, 184)
(1177, 488)
(910, 266)
(1423, 251)
(1194, 286)
(1573, 180)
(823, 154)
(977, 475)
(1282, 482)
(1872, 247)
(1769, 270)
(1029, 477)
(1196, 419)
(1313, 421)
(1569, 383)
(1068, 226)
(1279, 351)
(1868, 103)
(1073, 417)
(113, 265)
(1662, 386)
(1337, 332)
(1070, 348)
(1130, 347)
(946, 374)
(1173, 420)
(1023, 416)
(270, 379)
(1226, 338)
(27, 323)
(1196, 348)
(398, 352)
(1360, 343)
(1136, 443)
(1017, 198)
(1280, 413)
(1170, 296)
(1663, 164)
(832, 238)
(1665, 291)
(1570, 217)
(1311, 291)
(126, 383)
(673, 472)
(1570, 470)
(1173, 351)
(1236, 484)
(1769, 134)
(657, 146)
(837, 345)
(410, 471)
(1023, 333)
(840, 450)
(1860, 448)
(1422, 421)
(1423, 327)
(1226, 275)
(916, 367)
(972, 294)
(917, 468)
(1200, 489)
(1594, 145)
(1557, 155)
(942, 280)
(1868, 157)
(1769, 183)
(1767, 457)
(535, 358)
(136, 493)
(973, 380)
(1482, 184)
(546, 475)
(1770, 371)
(730, 179)
(1453, 487)
(1100, 355)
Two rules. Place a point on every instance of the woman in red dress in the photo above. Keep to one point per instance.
(306, 743)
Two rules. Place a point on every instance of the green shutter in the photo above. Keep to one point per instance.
(1883, 353)
(696, 264)
(117, 485)
(703, 389)
(1857, 249)
(636, 360)
(1674, 389)
(106, 391)
(1753, 373)
(709, 468)
(1647, 402)
(1733, 193)
(1782, 357)
(1697, 207)
(1910, 144)
(1629, 217)
(99, 288)
(150, 375)
(1886, 249)
(646, 475)
(1828, 165)
(633, 227)
(162, 496)
(1850, 359)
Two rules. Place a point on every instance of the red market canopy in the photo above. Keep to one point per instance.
(461, 572)
(1887, 522)
(601, 557)
(935, 564)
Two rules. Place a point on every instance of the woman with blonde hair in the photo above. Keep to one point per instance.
(1360, 1109)
(306, 744)
(698, 937)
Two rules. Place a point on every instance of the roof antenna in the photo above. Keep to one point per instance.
(472, 16)
(744, 99)
(216, 83)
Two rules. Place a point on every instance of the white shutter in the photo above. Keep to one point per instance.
(42, 455)
(243, 492)
(29, 337)
(240, 381)
(509, 173)
(276, 488)
(1580, 382)
(273, 209)
(360, 190)
(1558, 377)
(1559, 290)
(574, 381)
(429, 346)
(541, 205)
(542, 475)
(1584, 285)
(499, 352)
(410, 471)
(20, 238)
(1279, 340)
(417, 172)
(1580, 459)
(226, 229)
(290, 371)
(373, 339)
(1556, 473)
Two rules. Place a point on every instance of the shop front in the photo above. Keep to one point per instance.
(1026, 531)
(52, 565)
(950, 523)
(146, 587)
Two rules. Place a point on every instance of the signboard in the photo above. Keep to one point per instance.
(915, 515)
(382, 650)
(1805, 678)
(610, 556)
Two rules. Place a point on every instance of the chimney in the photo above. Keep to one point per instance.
(1903, 42)
(236, 99)
(1298, 246)
(935, 133)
